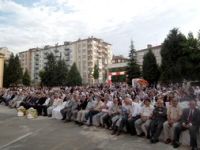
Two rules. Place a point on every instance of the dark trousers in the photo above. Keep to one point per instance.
(131, 125)
(66, 113)
(193, 130)
(107, 120)
(42, 110)
(156, 127)
(123, 123)
(90, 115)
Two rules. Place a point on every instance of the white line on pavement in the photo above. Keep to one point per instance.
(16, 140)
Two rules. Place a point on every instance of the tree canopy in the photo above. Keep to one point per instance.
(150, 71)
(133, 69)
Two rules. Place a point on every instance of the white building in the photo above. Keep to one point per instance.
(85, 53)
(154, 49)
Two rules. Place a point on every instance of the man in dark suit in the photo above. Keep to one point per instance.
(189, 121)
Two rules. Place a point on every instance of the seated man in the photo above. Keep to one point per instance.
(134, 115)
(94, 111)
(189, 121)
(158, 118)
(173, 116)
(144, 121)
(122, 119)
(80, 119)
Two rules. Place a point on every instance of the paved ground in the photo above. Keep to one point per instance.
(44, 133)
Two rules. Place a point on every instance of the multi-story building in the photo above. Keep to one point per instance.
(154, 49)
(35, 59)
(85, 53)
(6, 52)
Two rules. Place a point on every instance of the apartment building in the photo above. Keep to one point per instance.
(88, 52)
(6, 52)
(156, 51)
(84, 52)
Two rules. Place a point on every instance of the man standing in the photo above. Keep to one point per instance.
(173, 116)
(189, 121)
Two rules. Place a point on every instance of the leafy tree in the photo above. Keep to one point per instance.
(150, 69)
(62, 72)
(26, 80)
(133, 69)
(74, 77)
(190, 61)
(172, 49)
(49, 77)
(5, 75)
(96, 72)
(18, 70)
(13, 71)
(42, 75)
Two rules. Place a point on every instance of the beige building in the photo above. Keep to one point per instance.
(154, 49)
(88, 52)
(84, 52)
(5, 52)
(25, 60)
(1, 69)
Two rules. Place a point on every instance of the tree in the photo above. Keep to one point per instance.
(5, 75)
(150, 71)
(74, 77)
(62, 71)
(172, 49)
(18, 71)
(26, 80)
(13, 71)
(133, 69)
(96, 72)
(190, 60)
(49, 76)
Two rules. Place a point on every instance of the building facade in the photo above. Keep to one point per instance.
(85, 53)
(6, 52)
(88, 52)
(156, 51)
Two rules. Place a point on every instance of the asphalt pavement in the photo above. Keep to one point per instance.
(43, 133)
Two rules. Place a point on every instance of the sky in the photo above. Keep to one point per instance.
(27, 24)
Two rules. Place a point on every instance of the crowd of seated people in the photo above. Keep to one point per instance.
(120, 108)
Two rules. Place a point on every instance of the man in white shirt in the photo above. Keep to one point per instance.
(143, 123)
(133, 116)
(174, 112)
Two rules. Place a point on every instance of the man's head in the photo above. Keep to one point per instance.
(192, 104)
(160, 103)
(174, 102)
(147, 102)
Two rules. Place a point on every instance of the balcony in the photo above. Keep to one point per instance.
(90, 64)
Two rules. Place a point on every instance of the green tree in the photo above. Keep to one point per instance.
(50, 75)
(26, 80)
(133, 69)
(172, 49)
(5, 75)
(96, 72)
(62, 71)
(150, 71)
(18, 71)
(74, 77)
(190, 60)
(13, 73)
